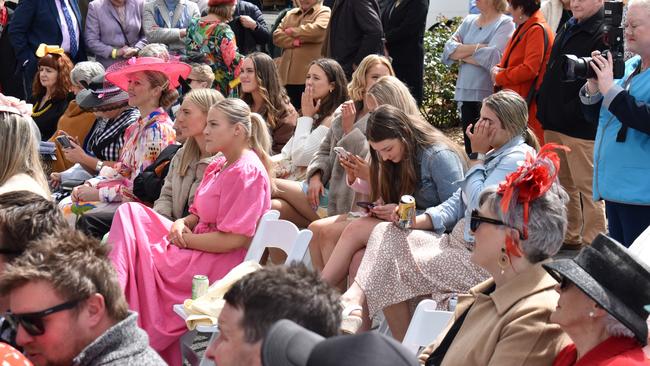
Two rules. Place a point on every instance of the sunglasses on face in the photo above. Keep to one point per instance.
(565, 283)
(33, 322)
(476, 220)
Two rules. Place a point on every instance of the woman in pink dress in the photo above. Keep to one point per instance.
(156, 258)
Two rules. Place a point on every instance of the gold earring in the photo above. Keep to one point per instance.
(503, 261)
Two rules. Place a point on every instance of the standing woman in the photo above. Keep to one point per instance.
(156, 265)
(151, 84)
(477, 45)
(114, 30)
(403, 22)
(300, 35)
(50, 89)
(20, 163)
(524, 61)
(210, 41)
(166, 22)
(263, 92)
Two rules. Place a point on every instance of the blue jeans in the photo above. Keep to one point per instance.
(626, 222)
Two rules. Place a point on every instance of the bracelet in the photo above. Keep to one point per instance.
(476, 49)
(99, 166)
(114, 53)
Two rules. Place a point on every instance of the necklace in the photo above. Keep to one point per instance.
(37, 113)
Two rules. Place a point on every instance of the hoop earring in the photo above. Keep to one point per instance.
(504, 260)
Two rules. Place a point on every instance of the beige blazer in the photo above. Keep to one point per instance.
(510, 326)
(310, 28)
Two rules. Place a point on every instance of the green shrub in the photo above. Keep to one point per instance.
(438, 106)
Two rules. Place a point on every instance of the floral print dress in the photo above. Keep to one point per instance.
(213, 43)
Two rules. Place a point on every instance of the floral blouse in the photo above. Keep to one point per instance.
(213, 43)
(143, 142)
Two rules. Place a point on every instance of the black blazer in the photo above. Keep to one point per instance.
(10, 80)
(558, 104)
(404, 34)
(248, 40)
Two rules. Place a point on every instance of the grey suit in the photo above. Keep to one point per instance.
(160, 28)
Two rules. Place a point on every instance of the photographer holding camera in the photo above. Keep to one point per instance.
(622, 148)
(560, 113)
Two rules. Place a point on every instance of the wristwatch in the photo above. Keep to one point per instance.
(99, 165)
(476, 156)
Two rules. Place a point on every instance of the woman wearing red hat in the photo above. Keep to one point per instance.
(210, 41)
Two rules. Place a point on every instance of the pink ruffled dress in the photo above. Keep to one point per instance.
(156, 274)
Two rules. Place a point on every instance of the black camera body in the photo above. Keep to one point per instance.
(579, 68)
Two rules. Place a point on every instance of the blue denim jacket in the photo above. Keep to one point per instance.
(441, 169)
(492, 171)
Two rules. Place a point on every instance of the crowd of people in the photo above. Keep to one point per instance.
(143, 141)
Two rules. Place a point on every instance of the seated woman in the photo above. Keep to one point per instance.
(20, 162)
(75, 122)
(325, 92)
(50, 89)
(156, 258)
(433, 258)
(603, 291)
(299, 202)
(408, 157)
(263, 92)
(151, 84)
(506, 319)
(188, 165)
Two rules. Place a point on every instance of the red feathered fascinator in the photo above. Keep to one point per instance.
(530, 181)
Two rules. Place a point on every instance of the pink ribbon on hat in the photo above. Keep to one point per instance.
(15, 105)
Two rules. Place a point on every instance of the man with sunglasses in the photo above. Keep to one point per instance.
(24, 216)
(67, 306)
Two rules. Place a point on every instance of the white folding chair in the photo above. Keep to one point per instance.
(426, 324)
(272, 232)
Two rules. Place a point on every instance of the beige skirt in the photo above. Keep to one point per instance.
(401, 265)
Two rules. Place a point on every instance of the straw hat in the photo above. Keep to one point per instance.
(118, 73)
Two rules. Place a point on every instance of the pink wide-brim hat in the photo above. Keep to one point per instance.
(118, 73)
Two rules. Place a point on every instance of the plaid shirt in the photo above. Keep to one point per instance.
(110, 130)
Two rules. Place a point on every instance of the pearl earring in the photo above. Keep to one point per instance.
(591, 314)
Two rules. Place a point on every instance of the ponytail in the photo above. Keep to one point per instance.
(260, 141)
(531, 139)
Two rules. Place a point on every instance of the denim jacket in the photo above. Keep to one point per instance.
(497, 164)
(440, 171)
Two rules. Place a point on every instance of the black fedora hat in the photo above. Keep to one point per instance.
(101, 95)
(614, 278)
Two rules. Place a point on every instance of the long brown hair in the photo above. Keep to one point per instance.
(274, 96)
(389, 180)
(63, 65)
(335, 74)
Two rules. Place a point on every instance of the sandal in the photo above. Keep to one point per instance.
(350, 324)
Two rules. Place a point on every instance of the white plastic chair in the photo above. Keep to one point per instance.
(426, 325)
(272, 232)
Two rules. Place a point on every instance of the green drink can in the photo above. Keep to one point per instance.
(200, 284)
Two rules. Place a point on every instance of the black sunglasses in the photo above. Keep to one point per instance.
(33, 322)
(564, 283)
(476, 220)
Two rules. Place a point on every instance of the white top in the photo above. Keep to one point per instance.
(304, 143)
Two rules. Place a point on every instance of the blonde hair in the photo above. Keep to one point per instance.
(390, 90)
(202, 72)
(168, 96)
(500, 5)
(512, 111)
(357, 87)
(204, 99)
(18, 136)
(237, 111)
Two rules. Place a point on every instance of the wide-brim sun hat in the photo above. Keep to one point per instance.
(614, 278)
(118, 73)
(101, 95)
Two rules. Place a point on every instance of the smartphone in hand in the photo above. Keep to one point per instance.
(64, 141)
(342, 153)
(367, 205)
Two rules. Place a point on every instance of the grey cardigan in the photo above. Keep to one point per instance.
(325, 161)
(122, 344)
(177, 192)
(167, 33)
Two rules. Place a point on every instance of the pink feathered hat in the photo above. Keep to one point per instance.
(118, 73)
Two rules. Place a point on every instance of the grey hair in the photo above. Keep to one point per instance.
(615, 328)
(547, 220)
(84, 72)
(158, 50)
(643, 3)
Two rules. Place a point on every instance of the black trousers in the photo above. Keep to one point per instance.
(97, 223)
(470, 112)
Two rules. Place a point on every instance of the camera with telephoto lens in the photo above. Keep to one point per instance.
(576, 68)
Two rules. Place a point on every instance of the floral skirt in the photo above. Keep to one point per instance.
(401, 265)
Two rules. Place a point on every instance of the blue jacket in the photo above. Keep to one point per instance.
(440, 171)
(35, 22)
(622, 145)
